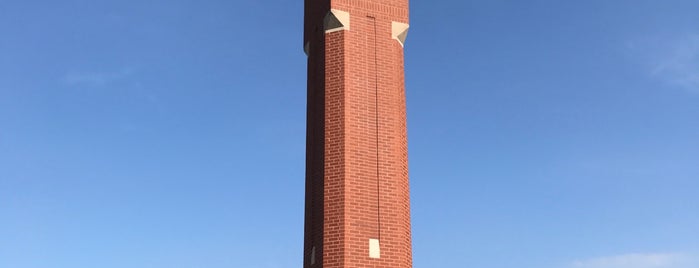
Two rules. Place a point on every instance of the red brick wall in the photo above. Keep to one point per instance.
(364, 189)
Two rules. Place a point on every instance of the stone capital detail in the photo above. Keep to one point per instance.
(336, 20)
(399, 31)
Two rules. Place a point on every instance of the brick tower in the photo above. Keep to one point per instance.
(357, 194)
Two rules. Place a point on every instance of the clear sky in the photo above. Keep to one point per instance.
(170, 134)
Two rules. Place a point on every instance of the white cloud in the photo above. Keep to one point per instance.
(651, 260)
(678, 62)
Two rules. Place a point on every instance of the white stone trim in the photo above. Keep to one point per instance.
(399, 31)
(336, 20)
(374, 249)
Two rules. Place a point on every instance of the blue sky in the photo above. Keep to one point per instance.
(542, 134)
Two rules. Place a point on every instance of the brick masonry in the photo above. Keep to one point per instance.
(356, 154)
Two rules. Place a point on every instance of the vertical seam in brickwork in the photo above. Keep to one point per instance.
(376, 110)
